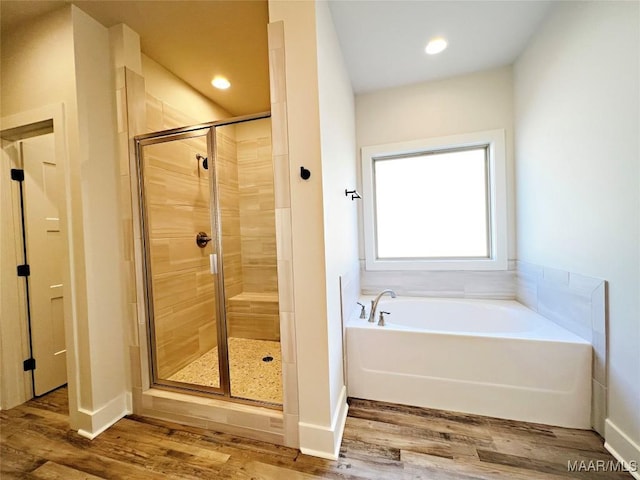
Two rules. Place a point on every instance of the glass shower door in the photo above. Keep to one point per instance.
(180, 247)
(208, 217)
(245, 185)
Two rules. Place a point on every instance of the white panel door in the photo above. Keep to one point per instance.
(45, 257)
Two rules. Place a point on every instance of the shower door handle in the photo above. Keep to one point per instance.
(213, 263)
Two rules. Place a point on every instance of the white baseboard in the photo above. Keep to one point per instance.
(622, 447)
(321, 441)
(97, 421)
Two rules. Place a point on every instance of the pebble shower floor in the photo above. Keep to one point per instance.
(251, 376)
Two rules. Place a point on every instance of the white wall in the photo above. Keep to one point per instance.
(319, 426)
(464, 104)
(99, 184)
(578, 175)
(64, 58)
(338, 151)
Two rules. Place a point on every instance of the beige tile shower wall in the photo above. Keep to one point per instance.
(257, 210)
(229, 207)
(177, 201)
(254, 312)
(254, 315)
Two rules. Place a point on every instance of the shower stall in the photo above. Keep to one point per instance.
(210, 267)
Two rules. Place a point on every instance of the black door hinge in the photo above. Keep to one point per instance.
(17, 174)
(29, 364)
(24, 270)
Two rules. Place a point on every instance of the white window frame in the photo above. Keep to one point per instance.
(495, 141)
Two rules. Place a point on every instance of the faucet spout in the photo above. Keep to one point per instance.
(374, 303)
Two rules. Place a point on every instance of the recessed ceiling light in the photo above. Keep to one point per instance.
(436, 45)
(221, 83)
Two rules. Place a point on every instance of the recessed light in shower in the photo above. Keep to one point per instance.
(221, 83)
(436, 45)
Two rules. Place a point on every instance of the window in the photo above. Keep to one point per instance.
(436, 204)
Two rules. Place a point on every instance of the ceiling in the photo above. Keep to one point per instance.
(196, 40)
(382, 41)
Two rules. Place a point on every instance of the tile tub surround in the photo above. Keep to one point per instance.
(498, 285)
(577, 303)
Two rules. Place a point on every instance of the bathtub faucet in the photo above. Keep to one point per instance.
(374, 303)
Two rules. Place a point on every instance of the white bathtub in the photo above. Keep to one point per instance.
(486, 357)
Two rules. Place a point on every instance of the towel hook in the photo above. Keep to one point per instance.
(354, 194)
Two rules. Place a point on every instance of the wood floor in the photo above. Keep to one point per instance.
(381, 441)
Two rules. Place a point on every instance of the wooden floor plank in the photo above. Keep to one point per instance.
(381, 441)
(544, 466)
(402, 438)
(435, 429)
(54, 471)
(263, 471)
(475, 469)
(15, 462)
(533, 449)
(68, 448)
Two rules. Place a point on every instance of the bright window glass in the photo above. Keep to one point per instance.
(432, 205)
(438, 203)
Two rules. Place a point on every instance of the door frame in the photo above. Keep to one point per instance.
(15, 386)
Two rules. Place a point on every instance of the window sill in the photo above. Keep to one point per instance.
(437, 265)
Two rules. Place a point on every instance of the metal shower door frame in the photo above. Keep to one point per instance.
(224, 391)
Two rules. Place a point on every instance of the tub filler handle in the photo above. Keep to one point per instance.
(362, 312)
(381, 318)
